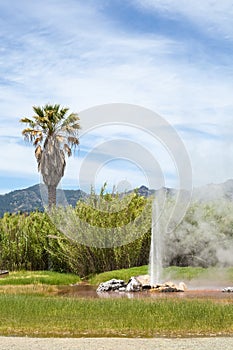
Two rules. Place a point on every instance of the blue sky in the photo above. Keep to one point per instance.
(173, 57)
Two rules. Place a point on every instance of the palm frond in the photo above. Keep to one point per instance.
(67, 130)
(41, 118)
(73, 141)
(30, 134)
(38, 139)
(63, 112)
(60, 138)
(39, 111)
(72, 119)
(71, 130)
(67, 150)
(56, 108)
(28, 121)
(38, 155)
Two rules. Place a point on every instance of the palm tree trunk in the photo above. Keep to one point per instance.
(52, 198)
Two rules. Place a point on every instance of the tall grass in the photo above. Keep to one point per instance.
(33, 315)
(33, 242)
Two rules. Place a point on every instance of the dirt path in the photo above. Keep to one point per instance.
(20, 343)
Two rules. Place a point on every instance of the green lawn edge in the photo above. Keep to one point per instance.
(174, 273)
(39, 277)
(170, 273)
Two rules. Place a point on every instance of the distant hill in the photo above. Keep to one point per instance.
(212, 192)
(29, 199)
(207, 193)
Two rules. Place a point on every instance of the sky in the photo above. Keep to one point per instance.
(172, 57)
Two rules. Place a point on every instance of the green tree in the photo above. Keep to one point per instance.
(53, 133)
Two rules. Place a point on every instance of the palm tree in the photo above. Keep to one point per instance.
(54, 134)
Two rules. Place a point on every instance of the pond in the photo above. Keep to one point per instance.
(89, 291)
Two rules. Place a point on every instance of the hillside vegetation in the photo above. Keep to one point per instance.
(29, 199)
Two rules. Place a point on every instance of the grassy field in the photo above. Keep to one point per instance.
(30, 306)
(56, 316)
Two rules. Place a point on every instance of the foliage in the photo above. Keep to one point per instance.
(98, 227)
(23, 241)
(34, 242)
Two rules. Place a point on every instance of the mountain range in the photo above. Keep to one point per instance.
(29, 199)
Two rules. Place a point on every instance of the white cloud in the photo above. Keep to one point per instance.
(212, 15)
(17, 160)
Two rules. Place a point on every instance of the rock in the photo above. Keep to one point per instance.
(170, 287)
(133, 285)
(146, 286)
(228, 289)
(182, 287)
(4, 273)
(170, 284)
(111, 285)
(168, 290)
(143, 279)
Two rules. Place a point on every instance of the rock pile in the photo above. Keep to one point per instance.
(139, 283)
(228, 289)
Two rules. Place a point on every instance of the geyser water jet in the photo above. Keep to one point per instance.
(155, 264)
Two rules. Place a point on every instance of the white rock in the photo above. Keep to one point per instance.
(110, 285)
(133, 285)
(182, 286)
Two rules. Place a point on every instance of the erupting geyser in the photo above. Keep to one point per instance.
(156, 254)
(153, 280)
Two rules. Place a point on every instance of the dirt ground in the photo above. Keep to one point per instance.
(24, 343)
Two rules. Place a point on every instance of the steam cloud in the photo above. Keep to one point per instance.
(204, 237)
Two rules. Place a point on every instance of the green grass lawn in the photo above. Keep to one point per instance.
(39, 277)
(123, 274)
